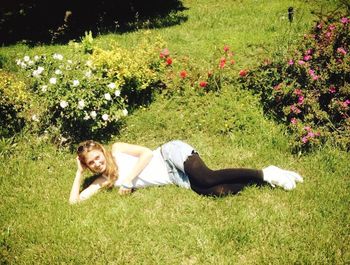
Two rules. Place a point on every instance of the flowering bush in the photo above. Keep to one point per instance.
(310, 90)
(182, 74)
(88, 97)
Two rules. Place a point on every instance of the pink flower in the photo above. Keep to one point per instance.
(293, 121)
(295, 109)
(183, 74)
(307, 128)
(346, 103)
(328, 34)
(311, 135)
(311, 72)
(164, 53)
(297, 91)
(332, 89)
(169, 61)
(307, 58)
(315, 77)
(290, 62)
(277, 87)
(300, 100)
(301, 62)
(226, 48)
(203, 84)
(243, 73)
(341, 50)
(304, 140)
(319, 26)
(331, 27)
(309, 52)
(344, 20)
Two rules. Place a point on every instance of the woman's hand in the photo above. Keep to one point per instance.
(126, 188)
(80, 166)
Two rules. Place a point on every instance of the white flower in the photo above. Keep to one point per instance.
(26, 58)
(81, 104)
(35, 73)
(23, 65)
(93, 114)
(35, 118)
(58, 56)
(40, 69)
(44, 88)
(86, 117)
(53, 80)
(76, 83)
(111, 85)
(105, 117)
(125, 112)
(63, 104)
(18, 62)
(89, 63)
(108, 96)
(88, 73)
(117, 93)
(30, 62)
(69, 61)
(58, 72)
(36, 57)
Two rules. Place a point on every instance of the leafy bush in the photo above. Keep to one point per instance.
(14, 103)
(88, 97)
(310, 90)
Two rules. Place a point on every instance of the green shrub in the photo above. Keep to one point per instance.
(310, 90)
(89, 96)
(14, 103)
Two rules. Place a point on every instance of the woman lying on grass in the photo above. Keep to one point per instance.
(130, 167)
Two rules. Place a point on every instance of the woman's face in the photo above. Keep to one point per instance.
(96, 161)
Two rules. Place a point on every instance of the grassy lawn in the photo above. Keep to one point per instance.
(170, 225)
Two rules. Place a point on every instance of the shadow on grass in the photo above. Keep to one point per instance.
(41, 21)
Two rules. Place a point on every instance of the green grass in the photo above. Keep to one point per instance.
(170, 225)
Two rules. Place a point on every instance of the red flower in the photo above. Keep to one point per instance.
(183, 74)
(222, 62)
(203, 84)
(332, 89)
(169, 61)
(243, 73)
(226, 48)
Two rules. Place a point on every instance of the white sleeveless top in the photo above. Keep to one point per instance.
(154, 174)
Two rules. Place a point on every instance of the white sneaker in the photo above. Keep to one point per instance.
(280, 177)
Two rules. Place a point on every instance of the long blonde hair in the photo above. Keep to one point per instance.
(111, 171)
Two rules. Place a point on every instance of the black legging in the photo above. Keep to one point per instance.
(221, 182)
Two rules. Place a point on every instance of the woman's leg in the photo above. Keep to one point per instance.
(219, 182)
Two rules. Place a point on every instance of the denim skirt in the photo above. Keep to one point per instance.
(175, 153)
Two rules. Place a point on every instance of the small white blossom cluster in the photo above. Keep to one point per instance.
(38, 71)
(58, 75)
(58, 56)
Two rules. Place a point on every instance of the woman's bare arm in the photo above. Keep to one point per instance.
(144, 155)
(75, 194)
